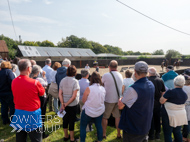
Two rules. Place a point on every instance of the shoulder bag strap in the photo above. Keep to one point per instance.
(115, 84)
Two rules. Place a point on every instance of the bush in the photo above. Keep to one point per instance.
(143, 57)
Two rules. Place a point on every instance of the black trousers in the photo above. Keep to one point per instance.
(43, 101)
(69, 118)
(127, 137)
(155, 125)
(50, 99)
(35, 136)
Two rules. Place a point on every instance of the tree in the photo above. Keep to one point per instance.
(137, 53)
(98, 48)
(172, 54)
(63, 43)
(146, 53)
(75, 42)
(158, 52)
(128, 52)
(114, 49)
(30, 43)
(47, 43)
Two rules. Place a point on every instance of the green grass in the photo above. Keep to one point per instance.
(56, 134)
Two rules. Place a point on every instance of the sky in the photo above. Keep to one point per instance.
(102, 21)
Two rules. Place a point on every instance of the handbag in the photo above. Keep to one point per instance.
(115, 84)
(53, 90)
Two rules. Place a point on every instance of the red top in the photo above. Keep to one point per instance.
(26, 92)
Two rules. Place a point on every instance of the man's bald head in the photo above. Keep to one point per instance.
(113, 64)
(33, 62)
(152, 71)
(23, 64)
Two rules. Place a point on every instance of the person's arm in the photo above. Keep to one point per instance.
(61, 100)
(10, 77)
(129, 97)
(121, 105)
(85, 95)
(123, 88)
(72, 98)
(162, 93)
(40, 88)
(163, 100)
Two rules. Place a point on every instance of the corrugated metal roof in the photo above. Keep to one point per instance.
(29, 51)
(3, 46)
(151, 56)
(107, 55)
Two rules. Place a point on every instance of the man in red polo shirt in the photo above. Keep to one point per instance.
(26, 92)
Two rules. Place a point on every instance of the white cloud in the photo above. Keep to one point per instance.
(25, 18)
(106, 16)
(47, 2)
(19, 1)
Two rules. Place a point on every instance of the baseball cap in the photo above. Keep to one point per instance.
(141, 66)
(187, 72)
(170, 67)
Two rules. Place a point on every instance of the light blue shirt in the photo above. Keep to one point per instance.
(83, 83)
(48, 71)
(52, 76)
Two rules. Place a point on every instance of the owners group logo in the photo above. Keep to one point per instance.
(28, 123)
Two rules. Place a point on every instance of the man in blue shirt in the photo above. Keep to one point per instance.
(137, 104)
(47, 68)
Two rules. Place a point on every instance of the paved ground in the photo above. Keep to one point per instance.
(104, 70)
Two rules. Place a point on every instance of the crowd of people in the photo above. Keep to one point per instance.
(140, 103)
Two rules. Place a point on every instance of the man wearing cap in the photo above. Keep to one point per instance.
(137, 104)
(159, 91)
(168, 77)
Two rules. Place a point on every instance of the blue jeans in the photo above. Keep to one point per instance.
(85, 119)
(167, 129)
(186, 129)
(55, 104)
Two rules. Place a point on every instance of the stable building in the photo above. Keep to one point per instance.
(4, 52)
(79, 56)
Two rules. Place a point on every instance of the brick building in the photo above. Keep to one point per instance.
(4, 52)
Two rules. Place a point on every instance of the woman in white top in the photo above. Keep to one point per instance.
(93, 99)
(186, 89)
(127, 81)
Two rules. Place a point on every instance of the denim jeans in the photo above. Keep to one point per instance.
(6, 103)
(55, 104)
(186, 129)
(85, 119)
(167, 129)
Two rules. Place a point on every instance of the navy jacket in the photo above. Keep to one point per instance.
(61, 73)
(6, 78)
(137, 119)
